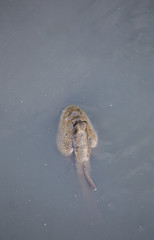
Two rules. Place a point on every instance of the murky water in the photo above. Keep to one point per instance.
(98, 55)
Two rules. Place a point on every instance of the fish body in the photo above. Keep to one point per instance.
(76, 134)
(80, 142)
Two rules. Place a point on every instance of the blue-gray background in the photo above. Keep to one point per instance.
(97, 54)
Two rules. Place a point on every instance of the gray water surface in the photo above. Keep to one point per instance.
(99, 55)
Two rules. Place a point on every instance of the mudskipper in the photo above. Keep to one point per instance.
(76, 134)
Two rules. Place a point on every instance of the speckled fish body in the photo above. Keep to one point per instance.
(76, 133)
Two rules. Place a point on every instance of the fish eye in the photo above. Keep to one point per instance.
(74, 125)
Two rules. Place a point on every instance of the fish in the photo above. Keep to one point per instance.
(77, 135)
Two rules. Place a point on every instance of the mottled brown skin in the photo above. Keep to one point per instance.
(76, 133)
(80, 141)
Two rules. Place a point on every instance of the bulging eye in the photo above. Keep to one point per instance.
(74, 125)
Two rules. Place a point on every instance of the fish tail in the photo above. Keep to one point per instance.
(88, 178)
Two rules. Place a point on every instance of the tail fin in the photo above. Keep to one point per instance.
(89, 180)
